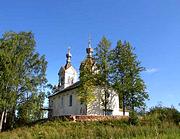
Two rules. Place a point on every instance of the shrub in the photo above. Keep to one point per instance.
(133, 118)
(165, 114)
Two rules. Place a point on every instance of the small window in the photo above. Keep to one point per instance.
(69, 80)
(70, 100)
(81, 102)
(108, 112)
(72, 80)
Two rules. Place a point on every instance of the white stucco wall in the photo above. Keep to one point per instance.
(70, 73)
(97, 108)
(60, 104)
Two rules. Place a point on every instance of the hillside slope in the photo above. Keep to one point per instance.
(106, 129)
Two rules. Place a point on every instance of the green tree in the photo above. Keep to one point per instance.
(87, 84)
(22, 76)
(102, 62)
(125, 76)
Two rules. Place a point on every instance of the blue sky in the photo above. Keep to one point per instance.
(152, 27)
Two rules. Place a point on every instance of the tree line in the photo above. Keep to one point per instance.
(117, 69)
(22, 80)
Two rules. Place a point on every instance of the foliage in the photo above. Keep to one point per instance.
(102, 77)
(133, 118)
(22, 76)
(30, 110)
(165, 114)
(87, 83)
(125, 76)
(118, 69)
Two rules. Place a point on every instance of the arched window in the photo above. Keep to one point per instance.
(70, 100)
(72, 80)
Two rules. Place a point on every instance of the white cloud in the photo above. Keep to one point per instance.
(151, 70)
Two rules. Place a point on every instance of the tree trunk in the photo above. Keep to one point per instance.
(124, 105)
(86, 109)
(4, 127)
(2, 120)
(132, 105)
(105, 104)
(5, 117)
(13, 117)
(132, 102)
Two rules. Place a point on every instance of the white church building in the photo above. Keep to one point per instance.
(65, 101)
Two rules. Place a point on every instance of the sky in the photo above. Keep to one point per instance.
(151, 26)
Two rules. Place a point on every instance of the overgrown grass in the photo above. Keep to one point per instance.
(107, 129)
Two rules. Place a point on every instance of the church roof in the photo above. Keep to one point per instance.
(71, 87)
(67, 66)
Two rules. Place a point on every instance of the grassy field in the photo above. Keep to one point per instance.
(94, 130)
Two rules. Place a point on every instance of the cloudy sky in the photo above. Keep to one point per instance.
(152, 27)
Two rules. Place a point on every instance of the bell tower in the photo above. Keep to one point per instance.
(67, 74)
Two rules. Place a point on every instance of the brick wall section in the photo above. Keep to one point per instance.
(80, 118)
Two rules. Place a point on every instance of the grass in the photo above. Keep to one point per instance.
(115, 129)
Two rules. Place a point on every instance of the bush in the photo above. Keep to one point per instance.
(133, 118)
(165, 114)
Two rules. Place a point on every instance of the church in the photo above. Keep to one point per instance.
(64, 100)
